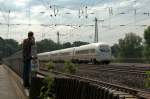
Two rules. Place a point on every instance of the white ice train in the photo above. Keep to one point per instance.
(95, 53)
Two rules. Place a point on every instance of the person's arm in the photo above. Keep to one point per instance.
(32, 41)
(23, 49)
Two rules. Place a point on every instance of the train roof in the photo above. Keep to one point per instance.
(44, 53)
(96, 44)
(92, 45)
(61, 50)
(56, 51)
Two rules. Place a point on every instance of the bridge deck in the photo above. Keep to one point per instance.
(7, 88)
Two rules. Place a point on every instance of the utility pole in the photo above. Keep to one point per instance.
(29, 17)
(96, 31)
(58, 36)
(8, 23)
(135, 12)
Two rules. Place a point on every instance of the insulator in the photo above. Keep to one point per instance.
(86, 16)
(82, 12)
(122, 13)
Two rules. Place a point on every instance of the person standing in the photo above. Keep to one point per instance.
(27, 56)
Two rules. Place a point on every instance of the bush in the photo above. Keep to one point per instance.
(47, 91)
(50, 65)
(70, 67)
(147, 80)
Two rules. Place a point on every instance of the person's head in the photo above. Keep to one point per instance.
(30, 34)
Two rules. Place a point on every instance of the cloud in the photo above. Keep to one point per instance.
(21, 2)
(69, 14)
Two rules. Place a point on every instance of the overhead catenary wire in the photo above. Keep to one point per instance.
(3, 15)
(58, 25)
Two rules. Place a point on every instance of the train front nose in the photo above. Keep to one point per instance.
(104, 53)
(105, 56)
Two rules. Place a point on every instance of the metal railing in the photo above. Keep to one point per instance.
(15, 62)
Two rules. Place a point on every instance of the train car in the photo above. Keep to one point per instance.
(95, 53)
(54, 55)
(62, 55)
(43, 59)
(44, 56)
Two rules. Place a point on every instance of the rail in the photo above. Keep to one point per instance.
(108, 85)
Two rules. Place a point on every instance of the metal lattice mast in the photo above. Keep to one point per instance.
(58, 36)
(96, 31)
(8, 23)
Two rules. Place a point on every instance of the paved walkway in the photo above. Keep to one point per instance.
(7, 90)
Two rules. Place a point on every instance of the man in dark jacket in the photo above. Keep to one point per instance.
(27, 56)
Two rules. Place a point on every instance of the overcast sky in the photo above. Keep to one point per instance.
(45, 24)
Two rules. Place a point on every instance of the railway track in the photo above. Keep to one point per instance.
(93, 66)
(117, 70)
(140, 68)
(124, 75)
(131, 76)
(116, 78)
(122, 91)
(128, 70)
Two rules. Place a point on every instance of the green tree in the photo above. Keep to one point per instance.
(130, 46)
(46, 45)
(115, 50)
(67, 45)
(79, 43)
(11, 46)
(49, 45)
(147, 42)
(2, 44)
(8, 47)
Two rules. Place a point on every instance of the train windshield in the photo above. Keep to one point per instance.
(104, 49)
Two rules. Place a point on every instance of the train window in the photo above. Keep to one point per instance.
(92, 50)
(65, 53)
(54, 54)
(104, 50)
(85, 51)
(82, 52)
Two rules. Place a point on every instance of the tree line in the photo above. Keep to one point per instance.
(8, 47)
(131, 46)
(49, 45)
(11, 46)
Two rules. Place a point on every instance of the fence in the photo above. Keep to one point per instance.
(15, 62)
(76, 89)
(66, 88)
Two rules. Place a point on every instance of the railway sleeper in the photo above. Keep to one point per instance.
(111, 92)
(123, 95)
